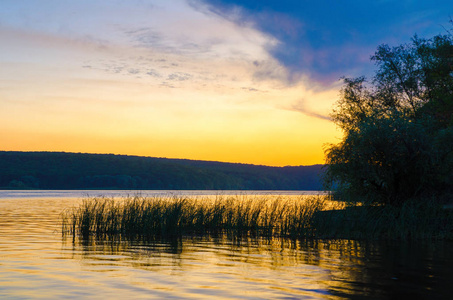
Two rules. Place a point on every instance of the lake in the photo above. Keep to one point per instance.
(37, 262)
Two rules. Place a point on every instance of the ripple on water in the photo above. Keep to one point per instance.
(36, 262)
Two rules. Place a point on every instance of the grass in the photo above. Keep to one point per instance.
(261, 216)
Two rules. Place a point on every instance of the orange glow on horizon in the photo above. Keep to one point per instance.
(276, 147)
(231, 102)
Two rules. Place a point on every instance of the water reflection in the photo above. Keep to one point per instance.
(321, 269)
(239, 269)
(36, 262)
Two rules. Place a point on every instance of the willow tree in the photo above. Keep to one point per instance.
(398, 127)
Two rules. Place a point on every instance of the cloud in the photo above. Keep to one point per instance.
(178, 40)
(179, 77)
(272, 69)
(167, 85)
(133, 71)
(326, 40)
(301, 107)
(153, 73)
(165, 44)
(250, 89)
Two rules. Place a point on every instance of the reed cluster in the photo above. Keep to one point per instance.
(260, 216)
(169, 217)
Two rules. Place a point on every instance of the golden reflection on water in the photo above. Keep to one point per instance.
(37, 262)
(230, 269)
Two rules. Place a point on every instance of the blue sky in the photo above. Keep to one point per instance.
(237, 81)
(329, 39)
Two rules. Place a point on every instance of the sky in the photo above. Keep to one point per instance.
(234, 81)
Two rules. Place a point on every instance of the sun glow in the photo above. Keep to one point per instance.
(154, 89)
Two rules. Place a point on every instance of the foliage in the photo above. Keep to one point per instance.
(398, 129)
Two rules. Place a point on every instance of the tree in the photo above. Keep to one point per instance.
(398, 128)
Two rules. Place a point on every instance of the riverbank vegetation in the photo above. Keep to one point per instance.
(397, 145)
(304, 217)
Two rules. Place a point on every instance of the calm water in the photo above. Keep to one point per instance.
(36, 262)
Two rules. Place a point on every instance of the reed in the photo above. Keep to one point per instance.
(264, 216)
(168, 217)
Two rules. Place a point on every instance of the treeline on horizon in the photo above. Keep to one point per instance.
(61, 170)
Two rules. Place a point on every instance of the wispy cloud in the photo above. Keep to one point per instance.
(153, 73)
(301, 107)
(179, 76)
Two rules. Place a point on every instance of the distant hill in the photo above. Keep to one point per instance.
(60, 170)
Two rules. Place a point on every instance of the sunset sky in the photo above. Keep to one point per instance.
(233, 81)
